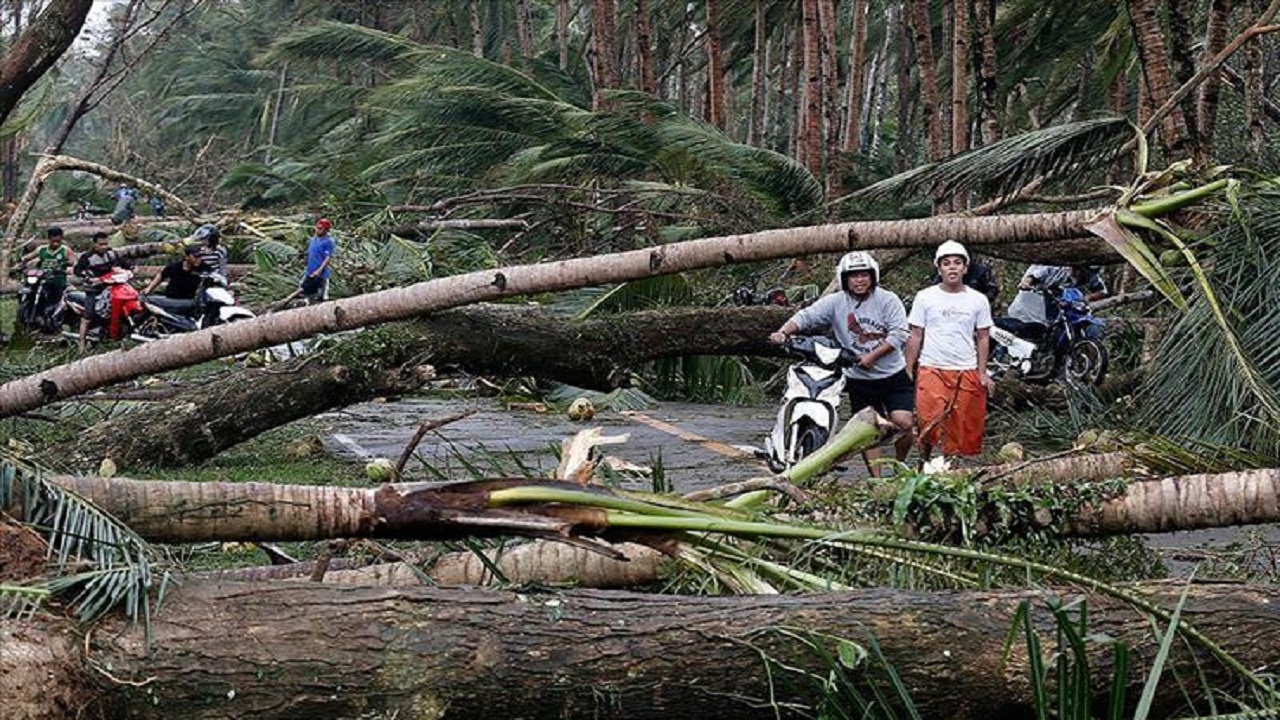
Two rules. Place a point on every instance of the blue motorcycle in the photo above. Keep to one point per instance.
(1070, 346)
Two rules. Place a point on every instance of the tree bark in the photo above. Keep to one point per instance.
(295, 650)
(524, 30)
(853, 131)
(1215, 37)
(39, 46)
(562, 32)
(987, 87)
(185, 512)
(809, 144)
(922, 26)
(604, 35)
(759, 71)
(960, 41)
(644, 49)
(1157, 73)
(717, 97)
(65, 381)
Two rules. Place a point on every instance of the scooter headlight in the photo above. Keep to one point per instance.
(32, 279)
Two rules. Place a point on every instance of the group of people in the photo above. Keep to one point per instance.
(926, 371)
(181, 278)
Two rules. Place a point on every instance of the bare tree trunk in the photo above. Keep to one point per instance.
(603, 36)
(759, 72)
(562, 32)
(1157, 73)
(219, 651)
(987, 88)
(809, 142)
(790, 107)
(1254, 94)
(853, 128)
(830, 66)
(524, 30)
(960, 76)
(717, 100)
(1215, 37)
(477, 29)
(38, 47)
(922, 26)
(644, 49)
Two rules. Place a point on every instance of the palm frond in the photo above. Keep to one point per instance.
(327, 41)
(1063, 152)
(79, 533)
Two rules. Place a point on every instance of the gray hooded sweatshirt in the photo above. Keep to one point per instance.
(861, 325)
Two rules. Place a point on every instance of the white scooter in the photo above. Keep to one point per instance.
(811, 404)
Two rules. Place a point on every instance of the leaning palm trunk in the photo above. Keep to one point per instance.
(374, 308)
(179, 512)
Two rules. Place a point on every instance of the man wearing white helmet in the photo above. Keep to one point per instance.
(872, 322)
(950, 324)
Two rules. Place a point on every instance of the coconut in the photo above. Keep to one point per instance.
(379, 470)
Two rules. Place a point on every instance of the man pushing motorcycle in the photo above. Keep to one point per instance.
(871, 322)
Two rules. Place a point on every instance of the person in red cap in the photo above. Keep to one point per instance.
(320, 250)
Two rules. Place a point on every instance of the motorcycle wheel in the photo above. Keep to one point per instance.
(811, 438)
(1085, 363)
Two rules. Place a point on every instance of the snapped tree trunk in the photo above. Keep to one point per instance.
(183, 512)
(301, 650)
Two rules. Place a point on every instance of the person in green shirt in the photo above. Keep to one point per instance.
(54, 258)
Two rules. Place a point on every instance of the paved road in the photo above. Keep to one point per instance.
(693, 443)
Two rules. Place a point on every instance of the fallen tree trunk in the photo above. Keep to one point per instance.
(180, 512)
(302, 650)
(485, 339)
(501, 340)
(385, 306)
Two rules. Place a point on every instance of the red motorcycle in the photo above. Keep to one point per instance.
(118, 310)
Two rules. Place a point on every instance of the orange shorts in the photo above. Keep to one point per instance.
(951, 404)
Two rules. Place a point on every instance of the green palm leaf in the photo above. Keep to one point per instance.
(1064, 152)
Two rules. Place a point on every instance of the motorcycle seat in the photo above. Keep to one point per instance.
(1033, 332)
(173, 305)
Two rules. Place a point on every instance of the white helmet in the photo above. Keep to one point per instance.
(950, 247)
(857, 261)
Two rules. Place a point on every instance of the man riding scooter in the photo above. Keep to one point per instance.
(90, 266)
(871, 322)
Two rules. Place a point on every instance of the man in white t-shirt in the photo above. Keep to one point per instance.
(950, 324)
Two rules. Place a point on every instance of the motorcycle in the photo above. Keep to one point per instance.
(213, 305)
(1070, 347)
(34, 313)
(117, 314)
(811, 403)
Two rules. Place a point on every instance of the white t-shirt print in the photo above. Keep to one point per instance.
(949, 321)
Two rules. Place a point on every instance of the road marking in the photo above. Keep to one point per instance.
(350, 444)
(708, 443)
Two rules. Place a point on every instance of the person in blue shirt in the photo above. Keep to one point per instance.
(320, 250)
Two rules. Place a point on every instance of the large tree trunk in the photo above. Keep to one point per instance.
(38, 47)
(853, 130)
(65, 381)
(717, 96)
(759, 71)
(304, 650)
(498, 339)
(922, 26)
(1215, 38)
(960, 40)
(809, 143)
(644, 49)
(987, 87)
(1157, 72)
(182, 512)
